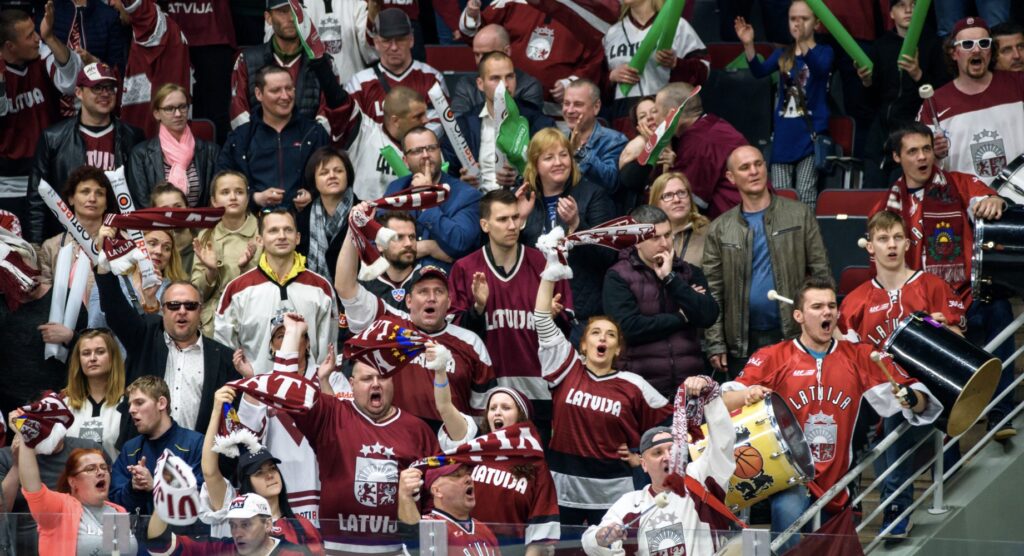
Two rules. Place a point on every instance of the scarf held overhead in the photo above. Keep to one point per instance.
(618, 234)
(45, 423)
(516, 444)
(287, 391)
(164, 218)
(386, 346)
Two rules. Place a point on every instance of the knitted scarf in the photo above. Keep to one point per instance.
(516, 444)
(386, 346)
(45, 423)
(289, 391)
(937, 226)
(163, 218)
(686, 419)
(17, 268)
(371, 237)
(618, 234)
(323, 229)
(178, 154)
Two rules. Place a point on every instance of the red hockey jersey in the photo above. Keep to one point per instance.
(870, 313)
(511, 336)
(368, 92)
(475, 539)
(825, 395)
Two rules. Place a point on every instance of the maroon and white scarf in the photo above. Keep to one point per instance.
(688, 414)
(937, 228)
(45, 423)
(165, 218)
(290, 392)
(18, 276)
(371, 237)
(619, 233)
(516, 444)
(233, 435)
(386, 346)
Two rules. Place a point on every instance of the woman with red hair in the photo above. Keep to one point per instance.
(70, 520)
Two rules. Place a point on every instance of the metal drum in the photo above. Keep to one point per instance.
(958, 373)
(1010, 181)
(771, 453)
(997, 263)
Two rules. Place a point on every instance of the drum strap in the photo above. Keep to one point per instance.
(698, 491)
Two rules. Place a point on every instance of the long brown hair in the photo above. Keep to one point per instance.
(71, 465)
(78, 385)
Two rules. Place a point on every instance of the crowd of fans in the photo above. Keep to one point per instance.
(124, 380)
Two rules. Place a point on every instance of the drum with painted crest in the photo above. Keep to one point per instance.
(771, 452)
(958, 373)
(997, 260)
(1010, 181)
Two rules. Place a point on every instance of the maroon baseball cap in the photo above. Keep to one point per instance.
(435, 473)
(94, 74)
(967, 23)
(428, 271)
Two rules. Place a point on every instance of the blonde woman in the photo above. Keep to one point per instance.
(671, 193)
(95, 388)
(167, 264)
(225, 251)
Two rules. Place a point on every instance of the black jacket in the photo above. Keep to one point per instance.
(59, 152)
(146, 169)
(143, 339)
(588, 262)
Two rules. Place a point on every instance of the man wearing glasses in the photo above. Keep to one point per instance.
(170, 347)
(452, 230)
(981, 112)
(95, 137)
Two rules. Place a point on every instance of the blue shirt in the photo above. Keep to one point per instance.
(764, 313)
(551, 203)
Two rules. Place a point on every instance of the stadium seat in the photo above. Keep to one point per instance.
(451, 58)
(723, 53)
(787, 193)
(742, 100)
(204, 129)
(848, 202)
(853, 276)
(840, 234)
(843, 130)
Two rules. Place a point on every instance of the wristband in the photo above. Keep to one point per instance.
(441, 385)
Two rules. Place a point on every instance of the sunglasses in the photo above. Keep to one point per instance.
(968, 44)
(188, 305)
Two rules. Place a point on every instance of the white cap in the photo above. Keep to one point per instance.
(248, 505)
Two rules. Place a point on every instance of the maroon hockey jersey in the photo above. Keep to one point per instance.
(204, 22)
(474, 538)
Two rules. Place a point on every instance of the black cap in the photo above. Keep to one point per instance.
(647, 440)
(271, 4)
(428, 271)
(392, 23)
(250, 462)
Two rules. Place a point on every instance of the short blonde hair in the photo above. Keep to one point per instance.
(698, 220)
(164, 91)
(544, 140)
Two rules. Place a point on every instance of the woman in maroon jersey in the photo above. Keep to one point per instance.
(528, 512)
(257, 473)
(597, 411)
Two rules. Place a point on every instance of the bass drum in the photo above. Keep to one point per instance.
(1010, 181)
(997, 260)
(771, 452)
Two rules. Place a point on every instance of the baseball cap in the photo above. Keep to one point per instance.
(647, 441)
(392, 23)
(435, 473)
(967, 23)
(94, 74)
(248, 505)
(271, 4)
(250, 462)
(428, 271)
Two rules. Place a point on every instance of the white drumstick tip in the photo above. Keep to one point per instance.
(661, 500)
(876, 356)
(925, 91)
(862, 243)
(774, 296)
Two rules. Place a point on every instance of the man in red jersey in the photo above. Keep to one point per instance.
(873, 311)
(498, 284)
(824, 382)
(452, 493)
(34, 73)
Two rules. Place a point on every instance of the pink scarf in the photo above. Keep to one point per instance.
(179, 155)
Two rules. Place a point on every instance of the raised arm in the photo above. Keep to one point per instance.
(28, 467)
(347, 267)
(437, 357)
(215, 483)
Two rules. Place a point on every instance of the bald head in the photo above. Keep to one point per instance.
(746, 169)
(491, 38)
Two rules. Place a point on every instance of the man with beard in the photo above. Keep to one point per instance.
(451, 490)
(981, 112)
(393, 286)
(470, 372)
(447, 232)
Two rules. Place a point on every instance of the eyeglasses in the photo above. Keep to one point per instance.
(424, 149)
(170, 110)
(968, 44)
(103, 89)
(675, 195)
(188, 305)
(93, 469)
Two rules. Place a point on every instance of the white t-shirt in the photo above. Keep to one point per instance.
(621, 42)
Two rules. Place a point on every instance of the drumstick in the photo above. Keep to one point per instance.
(901, 392)
(660, 501)
(774, 296)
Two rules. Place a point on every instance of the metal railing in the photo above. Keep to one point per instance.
(940, 475)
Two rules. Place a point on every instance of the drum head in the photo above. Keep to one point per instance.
(974, 397)
(790, 435)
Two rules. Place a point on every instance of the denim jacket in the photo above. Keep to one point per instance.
(599, 157)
